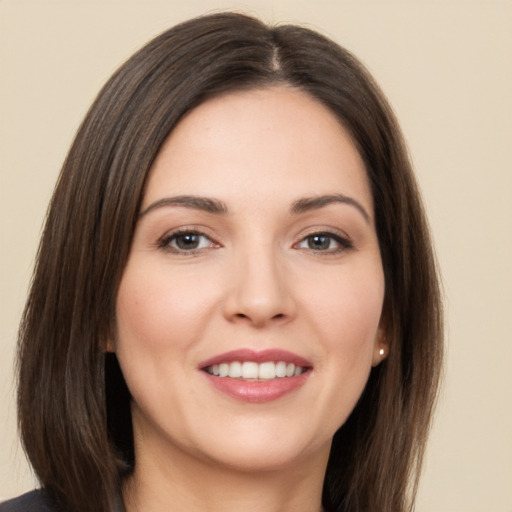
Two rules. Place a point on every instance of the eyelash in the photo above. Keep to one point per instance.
(166, 241)
(343, 242)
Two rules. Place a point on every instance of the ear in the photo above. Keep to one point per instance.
(381, 347)
(108, 340)
(110, 346)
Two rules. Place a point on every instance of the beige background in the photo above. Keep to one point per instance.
(447, 69)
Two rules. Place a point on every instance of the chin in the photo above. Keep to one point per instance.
(266, 450)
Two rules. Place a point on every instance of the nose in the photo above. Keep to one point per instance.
(260, 291)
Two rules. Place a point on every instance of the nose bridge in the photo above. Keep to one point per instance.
(260, 290)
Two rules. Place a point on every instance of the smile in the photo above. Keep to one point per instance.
(256, 376)
(251, 370)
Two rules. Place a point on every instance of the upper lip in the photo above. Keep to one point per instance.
(257, 356)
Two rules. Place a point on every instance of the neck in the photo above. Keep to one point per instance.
(192, 485)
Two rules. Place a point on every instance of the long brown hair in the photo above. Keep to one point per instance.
(73, 404)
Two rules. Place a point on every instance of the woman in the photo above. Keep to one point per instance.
(235, 304)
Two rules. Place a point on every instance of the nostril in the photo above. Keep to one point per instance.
(256, 320)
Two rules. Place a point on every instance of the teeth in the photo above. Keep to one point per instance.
(250, 370)
(281, 369)
(254, 371)
(223, 370)
(235, 370)
(267, 370)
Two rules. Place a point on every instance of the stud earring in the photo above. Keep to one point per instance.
(381, 352)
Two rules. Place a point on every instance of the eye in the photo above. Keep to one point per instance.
(186, 241)
(325, 242)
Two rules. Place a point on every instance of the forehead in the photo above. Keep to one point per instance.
(268, 143)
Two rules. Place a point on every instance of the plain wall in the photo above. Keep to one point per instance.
(446, 67)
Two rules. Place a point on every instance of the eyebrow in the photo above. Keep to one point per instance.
(211, 205)
(306, 204)
(206, 204)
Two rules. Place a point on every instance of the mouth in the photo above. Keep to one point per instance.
(256, 376)
(253, 372)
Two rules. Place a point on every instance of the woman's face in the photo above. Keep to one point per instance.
(256, 256)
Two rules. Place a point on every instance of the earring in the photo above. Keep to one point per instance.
(381, 352)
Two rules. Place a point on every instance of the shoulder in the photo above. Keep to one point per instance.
(33, 501)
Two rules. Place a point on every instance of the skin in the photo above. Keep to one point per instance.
(257, 279)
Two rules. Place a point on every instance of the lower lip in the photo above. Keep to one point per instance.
(257, 391)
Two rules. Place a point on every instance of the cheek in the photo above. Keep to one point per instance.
(160, 317)
(159, 312)
(347, 311)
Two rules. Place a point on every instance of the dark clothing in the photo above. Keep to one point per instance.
(33, 501)
(38, 501)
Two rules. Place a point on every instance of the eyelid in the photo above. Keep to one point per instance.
(341, 237)
(343, 240)
(163, 242)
